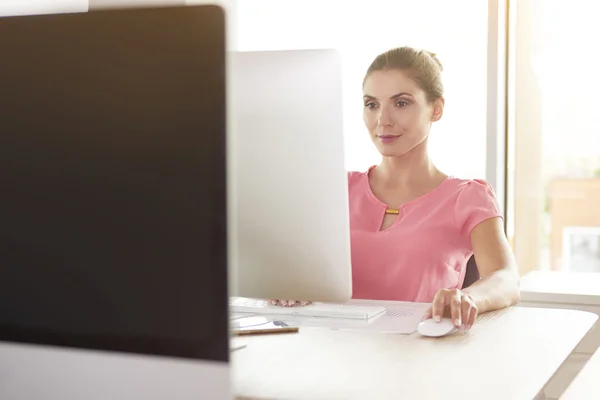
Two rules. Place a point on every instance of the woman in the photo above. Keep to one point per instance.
(413, 228)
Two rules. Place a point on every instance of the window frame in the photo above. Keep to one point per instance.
(498, 101)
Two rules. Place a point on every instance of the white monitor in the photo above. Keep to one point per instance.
(113, 242)
(289, 229)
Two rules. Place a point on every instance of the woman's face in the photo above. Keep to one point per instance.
(397, 113)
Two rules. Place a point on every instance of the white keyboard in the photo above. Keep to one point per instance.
(348, 311)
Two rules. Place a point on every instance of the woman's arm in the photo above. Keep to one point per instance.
(499, 283)
(497, 288)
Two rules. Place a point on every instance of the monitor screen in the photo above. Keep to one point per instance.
(112, 181)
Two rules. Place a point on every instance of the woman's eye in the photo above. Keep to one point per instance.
(401, 103)
(370, 105)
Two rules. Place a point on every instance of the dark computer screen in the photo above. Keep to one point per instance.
(112, 181)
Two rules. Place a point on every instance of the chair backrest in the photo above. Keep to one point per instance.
(472, 273)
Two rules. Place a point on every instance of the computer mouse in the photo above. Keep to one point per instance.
(431, 328)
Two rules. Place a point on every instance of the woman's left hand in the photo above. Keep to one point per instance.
(455, 304)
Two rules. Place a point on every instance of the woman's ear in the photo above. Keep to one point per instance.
(438, 109)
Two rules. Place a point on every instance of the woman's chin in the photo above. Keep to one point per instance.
(395, 150)
(391, 152)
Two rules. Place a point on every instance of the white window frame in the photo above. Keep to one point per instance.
(497, 100)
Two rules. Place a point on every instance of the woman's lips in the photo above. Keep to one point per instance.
(388, 138)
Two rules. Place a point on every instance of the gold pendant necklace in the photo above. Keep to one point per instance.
(392, 211)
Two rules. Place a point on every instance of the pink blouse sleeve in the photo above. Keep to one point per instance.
(476, 203)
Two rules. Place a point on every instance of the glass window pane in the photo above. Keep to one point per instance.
(556, 181)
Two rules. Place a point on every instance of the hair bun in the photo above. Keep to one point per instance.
(435, 59)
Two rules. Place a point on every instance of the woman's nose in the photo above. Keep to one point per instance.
(384, 120)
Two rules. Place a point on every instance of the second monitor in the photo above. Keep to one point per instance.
(289, 227)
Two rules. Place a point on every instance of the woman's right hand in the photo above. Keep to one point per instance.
(288, 303)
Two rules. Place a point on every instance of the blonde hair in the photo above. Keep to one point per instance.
(421, 65)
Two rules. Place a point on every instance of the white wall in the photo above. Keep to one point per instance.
(362, 29)
(32, 7)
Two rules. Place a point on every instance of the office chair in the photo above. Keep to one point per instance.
(472, 273)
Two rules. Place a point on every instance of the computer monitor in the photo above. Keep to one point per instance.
(113, 242)
(288, 186)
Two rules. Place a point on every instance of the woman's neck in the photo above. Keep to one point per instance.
(407, 170)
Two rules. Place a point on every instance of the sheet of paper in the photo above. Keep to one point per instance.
(399, 318)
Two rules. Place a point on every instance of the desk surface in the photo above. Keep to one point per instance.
(561, 287)
(519, 346)
(586, 384)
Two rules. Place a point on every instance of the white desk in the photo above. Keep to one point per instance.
(586, 384)
(507, 355)
(574, 291)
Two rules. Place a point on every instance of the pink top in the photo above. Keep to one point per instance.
(426, 249)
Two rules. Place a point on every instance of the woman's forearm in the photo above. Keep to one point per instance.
(499, 290)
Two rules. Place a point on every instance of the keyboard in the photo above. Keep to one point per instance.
(347, 311)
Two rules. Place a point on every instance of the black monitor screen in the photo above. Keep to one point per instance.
(112, 181)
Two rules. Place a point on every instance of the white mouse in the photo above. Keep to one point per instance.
(431, 328)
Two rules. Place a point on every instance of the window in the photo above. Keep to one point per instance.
(554, 185)
(359, 31)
